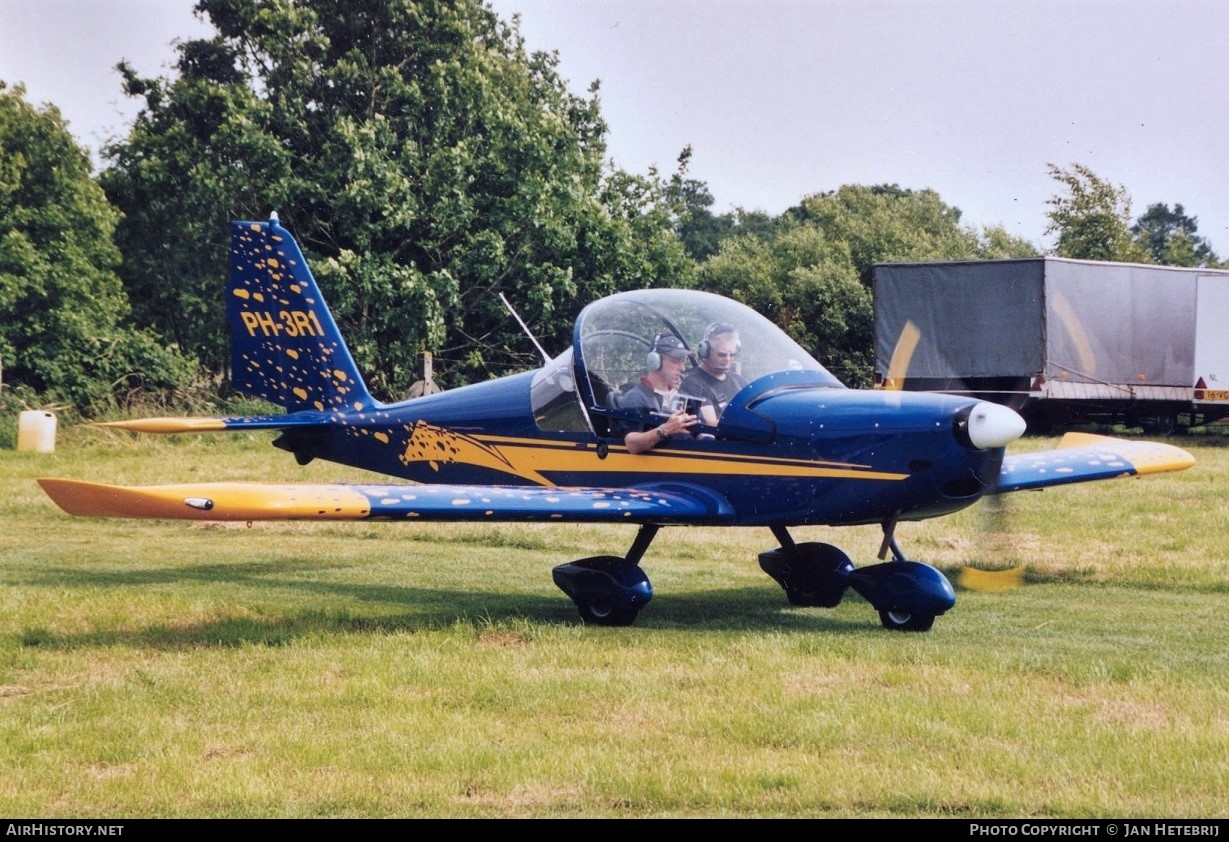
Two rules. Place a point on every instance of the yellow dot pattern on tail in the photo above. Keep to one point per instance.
(285, 345)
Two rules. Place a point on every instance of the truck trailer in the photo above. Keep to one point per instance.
(1064, 342)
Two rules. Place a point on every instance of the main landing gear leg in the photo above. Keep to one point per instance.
(907, 594)
(609, 590)
(812, 574)
(644, 537)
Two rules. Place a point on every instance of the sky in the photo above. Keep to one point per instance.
(781, 99)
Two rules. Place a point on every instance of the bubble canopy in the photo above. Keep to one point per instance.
(614, 335)
(611, 349)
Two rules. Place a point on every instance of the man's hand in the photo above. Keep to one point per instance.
(679, 422)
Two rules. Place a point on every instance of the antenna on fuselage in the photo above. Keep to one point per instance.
(525, 327)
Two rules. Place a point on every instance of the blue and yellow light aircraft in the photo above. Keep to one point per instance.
(793, 448)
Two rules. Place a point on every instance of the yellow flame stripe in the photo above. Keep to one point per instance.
(528, 458)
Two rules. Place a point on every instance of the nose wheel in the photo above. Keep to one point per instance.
(604, 614)
(905, 621)
(908, 595)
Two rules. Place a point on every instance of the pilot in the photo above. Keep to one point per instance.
(714, 379)
(656, 390)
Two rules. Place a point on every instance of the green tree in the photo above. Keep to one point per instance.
(1172, 238)
(1092, 219)
(63, 334)
(810, 269)
(805, 281)
(887, 223)
(995, 243)
(425, 161)
(700, 230)
(197, 157)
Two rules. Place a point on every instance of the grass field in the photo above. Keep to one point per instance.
(165, 669)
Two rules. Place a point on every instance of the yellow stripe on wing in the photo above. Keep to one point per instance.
(208, 501)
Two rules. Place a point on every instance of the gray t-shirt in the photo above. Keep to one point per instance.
(717, 393)
(640, 398)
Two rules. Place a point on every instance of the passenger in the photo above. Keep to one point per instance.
(656, 390)
(715, 380)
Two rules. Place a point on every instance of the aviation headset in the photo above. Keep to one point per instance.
(718, 329)
(666, 340)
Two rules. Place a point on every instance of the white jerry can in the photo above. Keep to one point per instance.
(36, 431)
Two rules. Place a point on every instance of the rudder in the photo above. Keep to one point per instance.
(285, 346)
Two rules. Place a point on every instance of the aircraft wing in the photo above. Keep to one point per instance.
(664, 503)
(1083, 457)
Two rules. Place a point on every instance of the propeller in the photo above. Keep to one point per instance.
(997, 568)
(902, 353)
(988, 425)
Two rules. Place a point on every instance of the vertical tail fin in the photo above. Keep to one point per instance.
(285, 346)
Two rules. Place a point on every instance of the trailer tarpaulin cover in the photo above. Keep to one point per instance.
(1120, 323)
(977, 319)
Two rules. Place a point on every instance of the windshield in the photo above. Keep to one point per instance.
(614, 337)
(552, 393)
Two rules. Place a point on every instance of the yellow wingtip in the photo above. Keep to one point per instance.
(1147, 457)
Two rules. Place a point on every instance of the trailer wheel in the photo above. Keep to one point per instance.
(1162, 424)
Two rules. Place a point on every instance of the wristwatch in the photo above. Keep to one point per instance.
(661, 435)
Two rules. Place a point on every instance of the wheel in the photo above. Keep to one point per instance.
(601, 614)
(813, 575)
(803, 599)
(1163, 424)
(904, 621)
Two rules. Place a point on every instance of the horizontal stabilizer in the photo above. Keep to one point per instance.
(206, 425)
(1084, 457)
(237, 501)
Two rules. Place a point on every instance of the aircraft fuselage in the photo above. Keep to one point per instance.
(788, 455)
